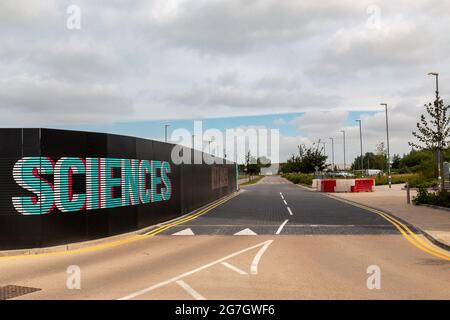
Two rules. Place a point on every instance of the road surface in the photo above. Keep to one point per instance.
(274, 240)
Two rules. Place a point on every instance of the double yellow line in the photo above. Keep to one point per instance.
(189, 217)
(404, 230)
(115, 243)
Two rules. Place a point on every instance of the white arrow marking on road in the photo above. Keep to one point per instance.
(245, 232)
(185, 232)
(254, 266)
(179, 277)
(190, 290)
(230, 266)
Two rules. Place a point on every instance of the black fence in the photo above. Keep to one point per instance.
(59, 186)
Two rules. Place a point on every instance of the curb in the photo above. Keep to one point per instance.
(91, 243)
(434, 207)
(304, 187)
(432, 239)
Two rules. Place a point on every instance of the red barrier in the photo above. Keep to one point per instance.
(363, 185)
(327, 185)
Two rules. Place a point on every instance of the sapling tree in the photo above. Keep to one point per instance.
(433, 129)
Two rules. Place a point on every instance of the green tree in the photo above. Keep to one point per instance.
(370, 161)
(433, 133)
(253, 166)
(306, 161)
(433, 130)
(396, 161)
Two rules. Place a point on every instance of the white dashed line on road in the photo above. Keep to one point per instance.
(286, 204)
(281, 227)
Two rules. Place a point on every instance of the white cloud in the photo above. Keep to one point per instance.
(213, 58)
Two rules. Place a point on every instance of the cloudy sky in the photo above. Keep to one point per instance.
(306, 67)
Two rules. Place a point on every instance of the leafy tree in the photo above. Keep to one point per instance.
(370, 161)
(253, 166)
(396, 161)
(311, 158)
(307, 159)
(433, 134)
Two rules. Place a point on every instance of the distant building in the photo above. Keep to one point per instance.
(273, 169)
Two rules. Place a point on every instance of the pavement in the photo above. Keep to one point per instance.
(434, 221)
(274, 240)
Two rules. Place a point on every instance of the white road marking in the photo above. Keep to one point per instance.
(185, 232)
(290, 212)
(285, 202)
(282, 197)
(281, 227)
(254, 266)
(230, 266)
(190, 290)
(179, 277)
(245, 232)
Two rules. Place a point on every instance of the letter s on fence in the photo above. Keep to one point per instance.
(27, 174)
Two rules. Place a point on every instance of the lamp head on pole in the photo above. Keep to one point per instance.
(433, 73)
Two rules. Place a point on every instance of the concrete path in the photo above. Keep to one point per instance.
(436, 222)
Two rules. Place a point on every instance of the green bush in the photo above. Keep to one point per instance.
(422, 196)
(415, 180)
(441, 198)
(300, 178)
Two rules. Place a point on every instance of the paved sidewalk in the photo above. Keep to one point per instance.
(433, 221)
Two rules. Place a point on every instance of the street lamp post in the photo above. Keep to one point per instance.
(361, 144)
(332, 153)
(387, 140)
(165, 131)
(438, 151)
(343, 132)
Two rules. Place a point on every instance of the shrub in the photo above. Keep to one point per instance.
(299, 178)
(414, 179)
(441, 198)
(422, 196)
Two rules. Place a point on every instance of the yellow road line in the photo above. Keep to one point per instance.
(190, 217)
(123, 241)
(409, 235)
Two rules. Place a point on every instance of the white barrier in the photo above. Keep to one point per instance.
(316, 184)
(344, 185)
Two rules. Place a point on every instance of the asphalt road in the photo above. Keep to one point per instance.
(263, 207)
(274, 240)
